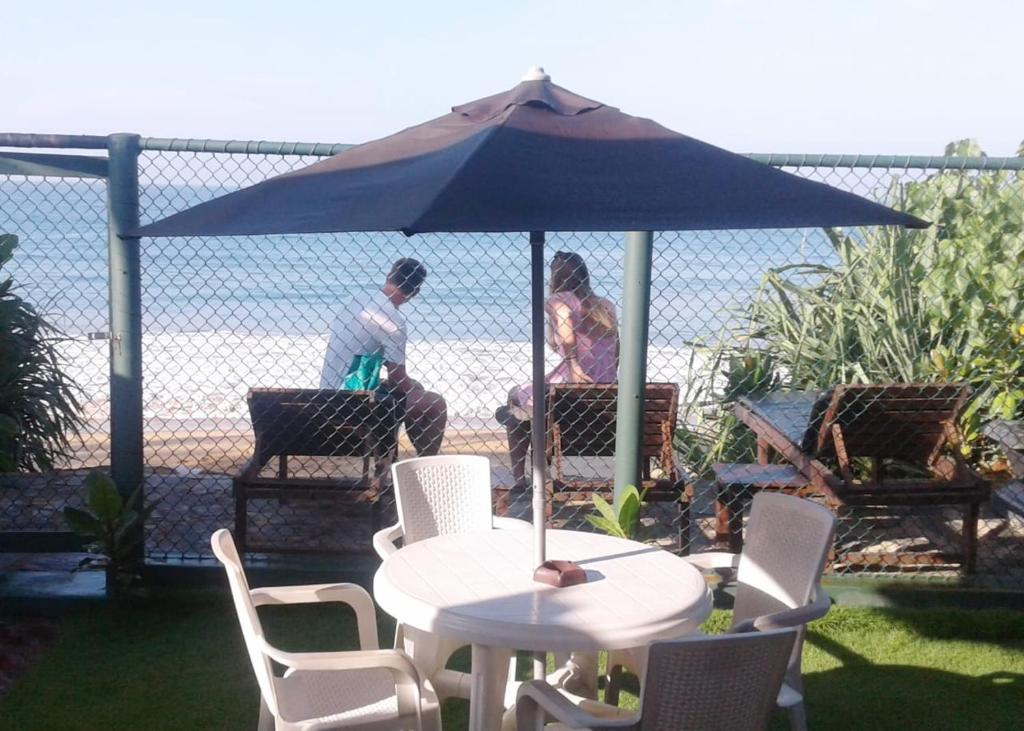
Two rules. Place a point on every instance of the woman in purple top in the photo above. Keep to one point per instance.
(582, 329)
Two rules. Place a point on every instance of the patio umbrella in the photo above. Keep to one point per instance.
(532, 159)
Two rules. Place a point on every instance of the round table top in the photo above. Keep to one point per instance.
(478, 586)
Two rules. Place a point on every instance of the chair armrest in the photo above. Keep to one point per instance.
(714, 560)
(384, 540)
(407, 678)
(795, 617)
(395, 660)
(537, 700)
(510, 523)
(249, 470)
(353, 595)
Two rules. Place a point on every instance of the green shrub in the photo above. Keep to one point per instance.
(38, 404)
(709, 430)
(114, 528)
(941, 304)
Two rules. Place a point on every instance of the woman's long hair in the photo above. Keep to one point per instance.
(569, 274)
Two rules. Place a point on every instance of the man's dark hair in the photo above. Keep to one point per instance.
(407, 275)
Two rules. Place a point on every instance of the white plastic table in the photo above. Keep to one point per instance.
(478, 588)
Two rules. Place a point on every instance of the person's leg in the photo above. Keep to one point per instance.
(518, 433)
(426, 415)
(518, 445)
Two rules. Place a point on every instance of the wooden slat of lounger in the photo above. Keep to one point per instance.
(759, 475)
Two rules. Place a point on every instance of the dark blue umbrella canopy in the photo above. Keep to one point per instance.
(535, 158)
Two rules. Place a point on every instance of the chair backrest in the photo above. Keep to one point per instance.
(787, 542)
(720, 682)
(910, 422)
(442, 495)
(312, 422)
(581, 417)
(252, 631)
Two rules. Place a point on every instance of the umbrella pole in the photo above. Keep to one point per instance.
(537, 446)
(537, 423)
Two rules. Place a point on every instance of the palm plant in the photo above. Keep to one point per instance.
(709, 432)
(39, 407)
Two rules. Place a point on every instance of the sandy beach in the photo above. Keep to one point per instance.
(195, 386)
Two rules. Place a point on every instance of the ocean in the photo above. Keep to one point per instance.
(221, 315)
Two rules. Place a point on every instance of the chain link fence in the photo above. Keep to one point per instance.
(60, 267)
(754, 336)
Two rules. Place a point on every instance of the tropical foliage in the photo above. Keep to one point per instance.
(38, 404)
(113, 526)
(941, 304)
(709, 431)
(621, 520)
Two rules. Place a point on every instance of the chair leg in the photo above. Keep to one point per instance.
(376, 508)
(723, 518)
(266, 722)
(797, 717)
(240, 535)
(684, 525)
(729, 518)
(970, 537)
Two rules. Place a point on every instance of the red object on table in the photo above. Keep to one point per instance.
(559, 573)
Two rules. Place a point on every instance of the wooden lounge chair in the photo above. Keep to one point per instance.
(313, 423)
(893, 430)
(1009, 499)
(581, 423)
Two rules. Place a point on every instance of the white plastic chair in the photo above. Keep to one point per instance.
(778, 577)
(367, 688)
(700, 683)
(436, 496)
(440, 496)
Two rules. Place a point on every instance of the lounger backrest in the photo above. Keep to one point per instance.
(584, 416)
(312, 422)
(908, 421)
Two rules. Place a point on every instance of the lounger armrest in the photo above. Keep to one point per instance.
(795, 617)
(537, 700)
(510, 523)
(250, 470)
(714, 560)
(353, 595)
(384, 540)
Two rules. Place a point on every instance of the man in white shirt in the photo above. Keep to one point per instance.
(369, 324)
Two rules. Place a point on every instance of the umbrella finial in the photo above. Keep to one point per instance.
(535, 73)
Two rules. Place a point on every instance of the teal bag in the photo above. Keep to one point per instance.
(363, 373)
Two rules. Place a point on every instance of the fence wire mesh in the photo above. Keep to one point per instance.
(761, 343)
(60, 268)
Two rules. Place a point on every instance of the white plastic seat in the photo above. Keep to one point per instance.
(367, 688)
(778, 583)
(440, 496)
(435, 496)
(700, 683)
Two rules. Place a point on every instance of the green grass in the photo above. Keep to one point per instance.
(179, 663)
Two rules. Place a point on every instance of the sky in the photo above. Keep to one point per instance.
(789, 76)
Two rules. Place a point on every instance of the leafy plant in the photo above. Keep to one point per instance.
(621, 520)
(941, 304)
(114, 526)
(38, 402)
(714, 434)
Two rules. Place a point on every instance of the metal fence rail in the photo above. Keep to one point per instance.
(734, 315)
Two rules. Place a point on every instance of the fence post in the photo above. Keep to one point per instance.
(636, 306)
(125, 313)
